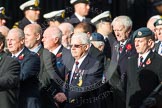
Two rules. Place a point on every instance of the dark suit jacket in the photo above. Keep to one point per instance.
(121, 60)
(118, 78)
(62, 53)
(9, 81)
(30, 67)
(48, 87)
(95, 53)
(142, 81)
(92, 73)
(22, 23)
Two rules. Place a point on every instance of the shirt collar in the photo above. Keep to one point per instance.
(144, 55)
(81, 59)
(55, 51)
(36, 49)
(123, 43)
(18, 53)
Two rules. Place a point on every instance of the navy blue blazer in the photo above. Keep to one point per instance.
(141, 81)
(74, 20)
(30, 67)
(92, 74)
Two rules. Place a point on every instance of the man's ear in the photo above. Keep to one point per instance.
(38, 36)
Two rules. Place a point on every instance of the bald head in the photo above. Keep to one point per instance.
(33, 35)
(52, 38)
(150, 22)
(34, 27)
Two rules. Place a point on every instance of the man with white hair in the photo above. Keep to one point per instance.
(122, 49)
(67, 31)
(83, 71)
(30, 68)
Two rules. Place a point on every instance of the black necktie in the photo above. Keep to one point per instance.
(14, 56)
(121, 48)
(75, 77)
(141, 61)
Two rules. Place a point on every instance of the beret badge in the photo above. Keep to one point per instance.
(139, 33)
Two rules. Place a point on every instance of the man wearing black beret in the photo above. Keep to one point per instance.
(144, 70)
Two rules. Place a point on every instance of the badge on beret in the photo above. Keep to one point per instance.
(159, 22)
(36, 3)
(139, 33)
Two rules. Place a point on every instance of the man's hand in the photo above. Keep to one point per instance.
(60, 97)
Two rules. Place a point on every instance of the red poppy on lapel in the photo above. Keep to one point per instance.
(59, 55)
(148, 61)
(21, 57)
(128, 47)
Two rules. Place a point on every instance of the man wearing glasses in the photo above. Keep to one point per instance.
(83, 72)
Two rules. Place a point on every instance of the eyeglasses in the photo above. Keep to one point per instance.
(76, 45)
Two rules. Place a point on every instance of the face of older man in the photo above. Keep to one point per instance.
(14, 43)
(121, 32)
(78, 49)
(50, 40)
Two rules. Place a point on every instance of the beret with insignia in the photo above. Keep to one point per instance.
(142, 32)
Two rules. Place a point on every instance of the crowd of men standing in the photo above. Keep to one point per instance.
(79, 62)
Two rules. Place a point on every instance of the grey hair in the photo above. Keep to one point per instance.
(123, 21)
(83, 37)
(19, 32)
(68, 26)
(56, 32)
